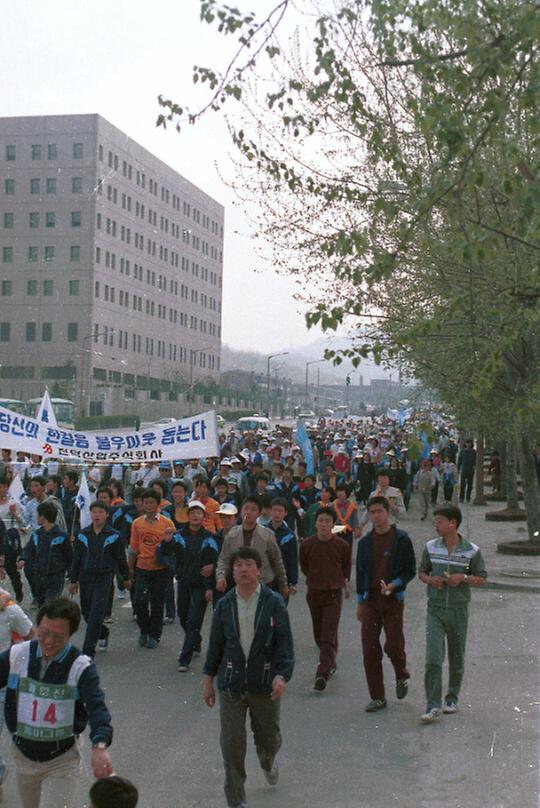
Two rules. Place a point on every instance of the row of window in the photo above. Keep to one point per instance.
(6, 287)
(35, 219)
(37, 151)
(49, 254)
(31, 332)
(118, 338)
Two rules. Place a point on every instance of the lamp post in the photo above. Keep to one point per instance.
(81, 403)
(192, 353)
(268, 358)
(312, 362)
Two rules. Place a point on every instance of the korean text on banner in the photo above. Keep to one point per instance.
(187, 438)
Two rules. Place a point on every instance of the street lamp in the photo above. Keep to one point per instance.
(191, 363)
(268, 358)
(95, 336)
(312, 362)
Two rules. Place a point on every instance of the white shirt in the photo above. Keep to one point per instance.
(246, 619)
(12, 618)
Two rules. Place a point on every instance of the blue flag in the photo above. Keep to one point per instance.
(304, 443)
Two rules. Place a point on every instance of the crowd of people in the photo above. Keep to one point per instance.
(230, 533)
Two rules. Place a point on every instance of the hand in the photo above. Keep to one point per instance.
(284, 592)
(207, 570)
(128, 584)
(13, 509)
(20, 564)
(73, 589)
(360, 612)
(456, 579)
(209, 596)
(387, 589)
(296, 503)
(168, 534)
(221, 585)
(278, 687)
(4, 600)
(209, 694)
(347, 590)
(436, 581)
(292, 590)
(101, 764)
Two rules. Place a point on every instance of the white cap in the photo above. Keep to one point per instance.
(225, 462)
(196, 503)
(227, 509)
(339, 528)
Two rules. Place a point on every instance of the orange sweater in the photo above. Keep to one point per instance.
(145, 538)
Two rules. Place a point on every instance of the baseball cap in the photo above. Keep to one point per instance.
(227, 509)
(195, 503)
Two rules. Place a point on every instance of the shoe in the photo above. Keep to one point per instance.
(103, 644)
(182, 667)
(121, 594)
(168, 620)
(152, 643)
(402, 688)
(332, 672)
(109, 619)
(272, 776)
(431, 715)
(376, 704)
(320, 683)
(450, 707)
(143, 639)
(197, 650)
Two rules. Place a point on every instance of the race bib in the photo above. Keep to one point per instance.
(45, 712)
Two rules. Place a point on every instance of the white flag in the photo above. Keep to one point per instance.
(46, 413)
(17, 493)
(83, 501)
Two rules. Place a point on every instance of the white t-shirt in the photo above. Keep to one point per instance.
(12, 618)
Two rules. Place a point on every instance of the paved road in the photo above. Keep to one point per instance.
(335, 754)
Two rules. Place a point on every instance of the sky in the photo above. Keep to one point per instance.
(114, 57)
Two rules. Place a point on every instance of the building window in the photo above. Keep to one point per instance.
(52, 151)
(50, 219)
(9, 186)
(4, 332)
(76, 185)
(8, 220)
(100, 153)
(46, 332)
(48, 288)
(33, 219)
(74, 253)
(77, 151)
(10, 152)
(36, 151)
(76, 218)
(48, 253)
(98, 255)
(33, 254)
(35, 186)
(31, 288)
(30, 332)
(73, 332)
(74, 288)
(7, 255)
(6, 288)
(50, 185)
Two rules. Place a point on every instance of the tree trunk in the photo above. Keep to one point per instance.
(479, 494)
(511, 477)
(531, 490)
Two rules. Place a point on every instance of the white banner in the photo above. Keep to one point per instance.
(192, 437)
(46, 413)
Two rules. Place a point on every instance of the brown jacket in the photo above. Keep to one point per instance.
(262, 540)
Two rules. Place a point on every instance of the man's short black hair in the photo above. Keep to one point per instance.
(39, 479)
(54, 478)
(254, 499)
(200, 479)
(246, 552)
(48, 510)
(180, 483)
(104, 489)
(281, 502)
(221, 481)
(326, 512)
(263, 476)
(383, 473)
(114, 792)
(450, 512)
(61, 609)
(149, 493)
(72, 475)
(162, 485)
(343, 487)
(118, 485)
(98, 504)
(378, 500)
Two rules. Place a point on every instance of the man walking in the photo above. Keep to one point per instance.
(325, 560)
(385, 563)
(251, 652)
(450, 565)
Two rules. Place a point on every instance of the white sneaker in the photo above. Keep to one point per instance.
(450, 707)
(431, 715)
(272, 776)
(121, 595)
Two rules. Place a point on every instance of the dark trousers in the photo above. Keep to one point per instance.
(95, 591)
(435, 493)
(325, 608)
(170, 606)
(264, 718)
(15, 578)
(448, 491)
(149, 600)
(121, 584)
(49, 586)
(467, 479)
(191, 610)
(381, 612)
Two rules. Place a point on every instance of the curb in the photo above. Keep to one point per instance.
(500, 587)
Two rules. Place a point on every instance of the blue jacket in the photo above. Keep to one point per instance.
(98, 555)
(48, 553)
(188, 553)
(288, 546)
(90, 706)
(271, 652)
(10, 543)
(402, 564)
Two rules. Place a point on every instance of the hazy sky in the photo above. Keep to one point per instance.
(113, 57)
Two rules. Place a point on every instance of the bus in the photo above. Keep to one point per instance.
(13, 404)
(63, 409)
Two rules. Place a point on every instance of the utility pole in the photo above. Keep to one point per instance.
(268, 358)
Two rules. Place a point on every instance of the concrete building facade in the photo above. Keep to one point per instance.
(111, 267)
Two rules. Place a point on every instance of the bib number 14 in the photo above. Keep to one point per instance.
(50, 713)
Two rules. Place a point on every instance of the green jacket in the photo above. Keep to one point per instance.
(466, 559)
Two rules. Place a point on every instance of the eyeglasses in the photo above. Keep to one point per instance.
(45, 634)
